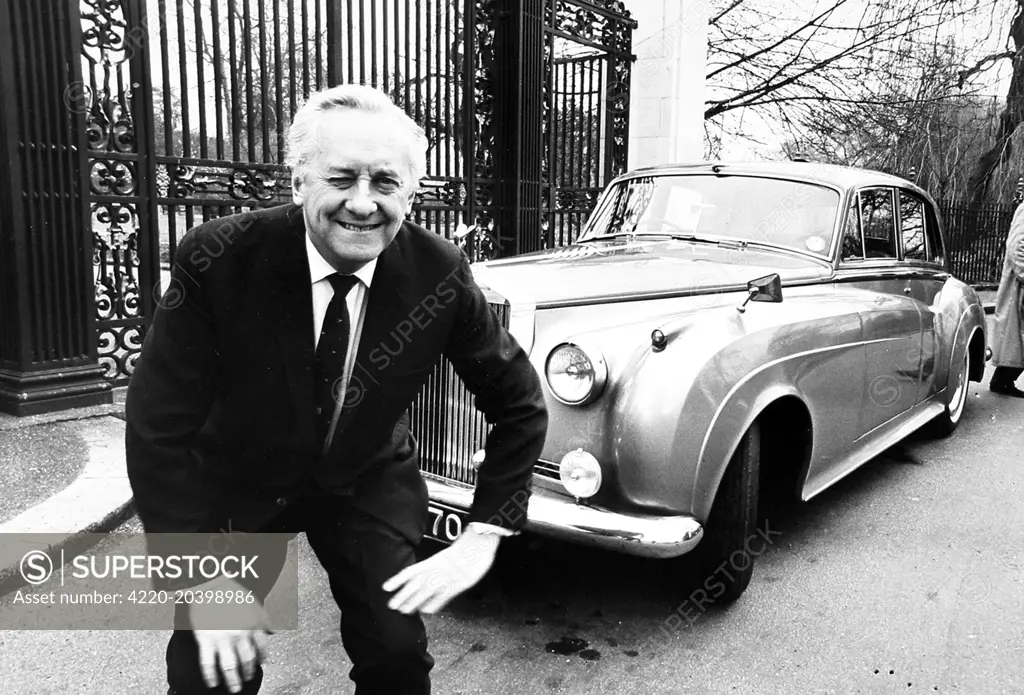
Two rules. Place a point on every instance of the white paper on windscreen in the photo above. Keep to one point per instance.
(684, 208)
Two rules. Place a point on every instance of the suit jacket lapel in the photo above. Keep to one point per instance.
(388, 305)
(289, 310)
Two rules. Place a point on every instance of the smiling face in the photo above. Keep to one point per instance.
(357, 189)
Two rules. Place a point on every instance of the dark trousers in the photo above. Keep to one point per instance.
(388, 649)
(1005, 376)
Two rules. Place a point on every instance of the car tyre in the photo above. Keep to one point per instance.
(953, 413)
(733, 520)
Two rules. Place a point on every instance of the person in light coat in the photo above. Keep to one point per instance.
(1008, 329)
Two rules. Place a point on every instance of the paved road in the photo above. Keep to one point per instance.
(905, 577)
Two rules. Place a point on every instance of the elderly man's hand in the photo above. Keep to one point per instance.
(232, 654)
(428, 586)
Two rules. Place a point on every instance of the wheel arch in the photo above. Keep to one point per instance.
(787, 436)
(966, 330)
(787, 439)
(977, 352)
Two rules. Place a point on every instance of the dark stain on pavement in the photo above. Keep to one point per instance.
(631, 652)
(478, 647)
(566, 645)
(572, 645)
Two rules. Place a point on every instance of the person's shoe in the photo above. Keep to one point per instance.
(1006, 390)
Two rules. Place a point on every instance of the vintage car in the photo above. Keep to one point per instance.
(716, 329)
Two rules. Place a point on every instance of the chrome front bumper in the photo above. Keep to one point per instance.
(556, 517)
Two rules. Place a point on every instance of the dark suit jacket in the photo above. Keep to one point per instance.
(220, 409)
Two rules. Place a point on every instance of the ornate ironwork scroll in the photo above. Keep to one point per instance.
(112, 36)
(483, 175)
(234, 183)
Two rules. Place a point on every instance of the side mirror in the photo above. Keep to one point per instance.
(764, 289)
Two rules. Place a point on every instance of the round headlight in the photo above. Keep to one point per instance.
(575, 375)
(580, 473)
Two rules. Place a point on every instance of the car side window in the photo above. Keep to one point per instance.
(879, 222)
(936, 253)
(912, 227)
(853, 244)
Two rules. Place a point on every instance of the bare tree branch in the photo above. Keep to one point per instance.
(758, 59)
(982, 65)
(717, 18)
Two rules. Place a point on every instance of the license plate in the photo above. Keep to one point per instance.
(445, 523)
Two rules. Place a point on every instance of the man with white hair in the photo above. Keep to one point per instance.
(1008, 321)
(272, 394)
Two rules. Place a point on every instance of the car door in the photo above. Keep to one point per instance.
(923, 259)
(891, 322)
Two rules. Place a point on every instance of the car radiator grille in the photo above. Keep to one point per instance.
(446, 423)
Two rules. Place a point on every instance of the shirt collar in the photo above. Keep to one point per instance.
(320, 269)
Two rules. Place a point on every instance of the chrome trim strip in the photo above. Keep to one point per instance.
(674, 293)
(846, 273)
(878, 440)
(547, 469)
(634, 534)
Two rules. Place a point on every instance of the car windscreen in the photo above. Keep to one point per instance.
(795, 214)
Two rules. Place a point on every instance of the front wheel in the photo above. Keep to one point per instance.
(725, 559)
(947, 421)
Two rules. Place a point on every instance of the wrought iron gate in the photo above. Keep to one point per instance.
(187, 105)
(586, 124)
(116, 99)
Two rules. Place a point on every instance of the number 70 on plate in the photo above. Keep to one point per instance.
(445, 523)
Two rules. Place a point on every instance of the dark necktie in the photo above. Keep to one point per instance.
(330, 353)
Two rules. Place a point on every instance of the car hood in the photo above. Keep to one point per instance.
(608, 271)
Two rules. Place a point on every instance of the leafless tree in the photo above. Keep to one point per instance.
(922, 127)
(1001, 149)
(787, 63)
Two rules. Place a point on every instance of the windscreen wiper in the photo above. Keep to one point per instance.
(671, 235)
(604, 237)
(693, 237)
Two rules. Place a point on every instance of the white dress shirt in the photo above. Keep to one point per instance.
(357, 299)
(323, 292)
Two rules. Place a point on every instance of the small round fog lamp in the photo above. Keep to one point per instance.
(580, 473)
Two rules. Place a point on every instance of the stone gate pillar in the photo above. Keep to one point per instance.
(48, 351)
(667, 94)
